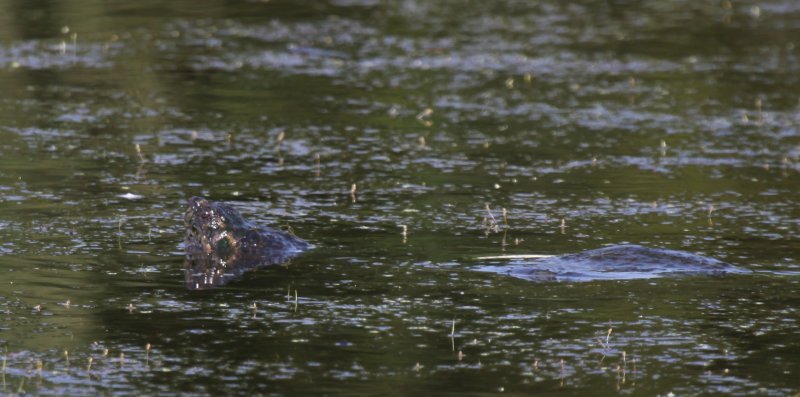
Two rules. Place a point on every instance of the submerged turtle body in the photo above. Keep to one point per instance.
(221, 245)
(616, 262)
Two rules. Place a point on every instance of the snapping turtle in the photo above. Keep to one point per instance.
(221, 245)
(615, 262)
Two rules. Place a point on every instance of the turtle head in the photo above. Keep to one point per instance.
(211, 228)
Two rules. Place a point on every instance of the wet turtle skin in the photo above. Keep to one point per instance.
(617, 262)
(221, 245)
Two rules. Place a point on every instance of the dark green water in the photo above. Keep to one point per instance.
(629, 120)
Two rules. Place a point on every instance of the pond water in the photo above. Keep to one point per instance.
(575, 125)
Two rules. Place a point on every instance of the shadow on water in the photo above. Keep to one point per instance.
(402, 139)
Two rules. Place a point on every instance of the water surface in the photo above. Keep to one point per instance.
(672, 125)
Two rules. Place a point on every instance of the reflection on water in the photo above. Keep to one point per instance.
(391, 134)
